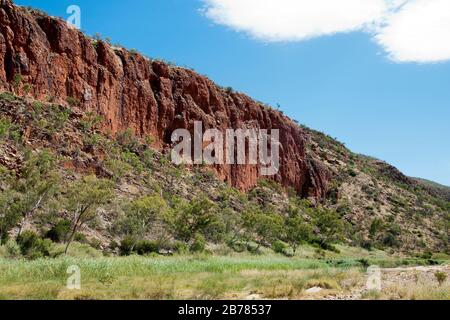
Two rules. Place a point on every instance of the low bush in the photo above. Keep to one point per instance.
(11, 250)
(180, 247)
(441, 277)
(59, 232)
(352, 173)
(127, 246)
(7, 96)
(32, 246)
(118, 168)
(279, 247)
(81, 238)
(9, 130)
(128, 140)
(145, 247)
(96, 244)
(238, 246)
(199, 243)
(73, 102)
(253, 248)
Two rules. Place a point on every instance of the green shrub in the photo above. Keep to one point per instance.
(441, 277)
(90, 141)
(180, 247)
(426, 255)
(279, 247)
(27, 88)
(50, 119)
(90, 121)
(130, 245)
(58, 116)
(17, 81)
(364, 262)
(128, 140)
(199, 243)
(319, 253)
(145, 247)
(113, 245)
(391, 236)
(375, 227)
(147, 158)
(12, 250)
(133, 160)
(8, 130)
(199, 216)
(5, 125)
(229, 90)
(96, 244)
(37, 109)
(352, 173)
(7, 96)
(32, 246)
(79, 237)
(127, 246)
(118, 168)
(238, 246)
(253, 248)
(73, 102)
(59, 232)
(329, 228)
(140, 216)
(263, 227)
(343, 209)
(297, 231)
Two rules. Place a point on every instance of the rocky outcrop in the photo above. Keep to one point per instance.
(46, 58)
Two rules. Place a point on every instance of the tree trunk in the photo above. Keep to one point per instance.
(29, 213)
(20, 229)
(69, 241)
(74, 230)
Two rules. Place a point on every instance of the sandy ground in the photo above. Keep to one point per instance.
(402, 277)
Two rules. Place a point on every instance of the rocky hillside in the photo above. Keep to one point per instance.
(376, 196)
(101, 109)
(435, 188)
(128, 90)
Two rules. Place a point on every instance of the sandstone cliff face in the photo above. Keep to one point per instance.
(129, 91)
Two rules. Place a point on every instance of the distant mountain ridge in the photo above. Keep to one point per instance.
(439, 189)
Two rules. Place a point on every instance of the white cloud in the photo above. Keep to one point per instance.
(408, 30)
(292, 20)
(419, 32)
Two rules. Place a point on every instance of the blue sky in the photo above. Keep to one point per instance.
(342, 83)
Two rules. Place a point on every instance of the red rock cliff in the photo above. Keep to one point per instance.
(150, 97)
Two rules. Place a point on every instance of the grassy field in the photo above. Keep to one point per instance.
(169, 277)
(207, 277)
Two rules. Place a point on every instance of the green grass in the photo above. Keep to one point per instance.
(42, 269)
(163, 277)
(236, 276)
